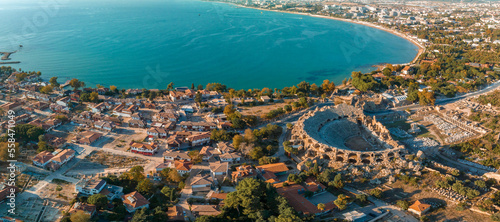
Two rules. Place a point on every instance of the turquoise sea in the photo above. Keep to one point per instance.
(149, 43)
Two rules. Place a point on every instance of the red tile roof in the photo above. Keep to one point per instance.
(134, 200)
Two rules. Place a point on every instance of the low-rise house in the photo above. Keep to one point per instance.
(183, 166)
(205, 210)
(22, 118)
(215, 195)
(86, 115)
(42, 159)
(265, 99)
(133, 91)
(208, 152)
(175, 142)
(243, 172)
(112, 192)
(198, 126)
(123, 110)
(11, 106)
(407, 70)
(294, 193)
(201, 183)
(137, 116)
(355, 216)
(270, 172)
(60, 159)
(41, 105)
(176, 96)
(136, 123)
(58, 108)
(134, 201)
(314, 186)
(105, 125)
(130, 110)
(115, 119)
(87, 137)
(176, 155)
(90, 186)
(166, 115)
(157, 132)
(225, 147)
(219, 170)
(79, 121)
(162, 166)
(102, 91)
(230, 157)
(64, 101)
(83, 207)
(38, 96)
(187, 109)
(47, 125)
(175, 213)
(199, 139)
(97, 108)
(148, 149)
(419, 208)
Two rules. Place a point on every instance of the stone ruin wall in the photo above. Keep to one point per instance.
(314, 148)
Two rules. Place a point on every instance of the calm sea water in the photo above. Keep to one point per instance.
(147, 44)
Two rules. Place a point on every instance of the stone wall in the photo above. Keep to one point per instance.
(305, 132)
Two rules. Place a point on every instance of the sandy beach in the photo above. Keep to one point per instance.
(421, 48)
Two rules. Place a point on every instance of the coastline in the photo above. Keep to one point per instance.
(421, 48)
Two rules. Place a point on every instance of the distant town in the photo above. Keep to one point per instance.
(407, 142)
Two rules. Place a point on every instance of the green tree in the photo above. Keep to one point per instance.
(376, 193)
(426, 98)
(170, 86)
(76, 84)
(403, 204)
(480, 183)
(136, 174)
(337, 181)
(195, 156)
(328, 86)
(341, 202)
(159, 215)
(53, 82)
(294, 178)
(363, 82)
(98, 200)
(198, 97)
(46, 89)
(361, 198)
(174, 176)
(141, 215)
(43, 146)
(412, 92)
(80, 216)
(145, 187)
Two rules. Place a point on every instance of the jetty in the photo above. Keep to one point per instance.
(6, 55)
(13, 62)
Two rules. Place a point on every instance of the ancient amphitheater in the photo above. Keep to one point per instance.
(343, 134)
